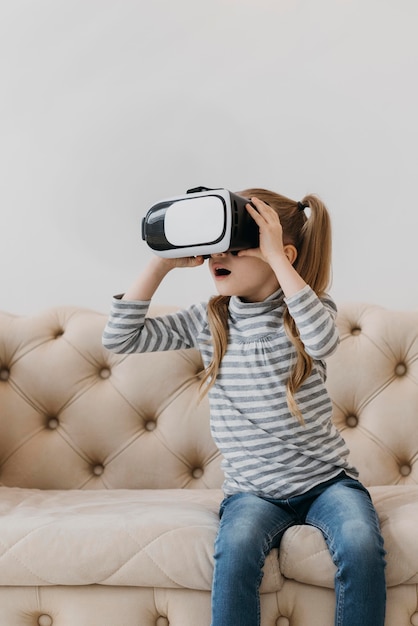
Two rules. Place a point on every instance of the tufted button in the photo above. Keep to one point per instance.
(352, 421)
(58, 333)
(162, 621)
(282, 621)
(104, 372)
(150, 425)
(53, 423)
(197, 472)
(414, 619)
(44, 620)
(405, 469)
(98, 469)
(4, 374)
(356, 330)
(400, 369)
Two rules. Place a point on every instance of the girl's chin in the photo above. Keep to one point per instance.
(223, 290)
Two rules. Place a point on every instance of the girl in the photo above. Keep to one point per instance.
(263, 342)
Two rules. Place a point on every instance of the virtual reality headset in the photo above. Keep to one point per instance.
(201, 222)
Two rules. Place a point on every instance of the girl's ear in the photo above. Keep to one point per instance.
(291, 252)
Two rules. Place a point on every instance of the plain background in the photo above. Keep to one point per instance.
(108, 106)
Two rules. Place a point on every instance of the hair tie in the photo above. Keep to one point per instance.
(301, 206)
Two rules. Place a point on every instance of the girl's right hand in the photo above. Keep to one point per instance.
(188, 261)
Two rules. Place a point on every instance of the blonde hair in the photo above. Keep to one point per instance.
(311, 237)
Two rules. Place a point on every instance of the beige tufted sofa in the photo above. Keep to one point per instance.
(110, 482)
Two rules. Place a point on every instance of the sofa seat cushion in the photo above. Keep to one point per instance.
(148, 538)
(164, 538)
(304, 556)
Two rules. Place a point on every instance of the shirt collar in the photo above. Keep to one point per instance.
(239, 308)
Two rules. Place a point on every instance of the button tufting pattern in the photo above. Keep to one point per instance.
(63, 387)
(405, 469)
(364, 376)
(104, 373)
(400, 369)
(352, 421)
(45, 620)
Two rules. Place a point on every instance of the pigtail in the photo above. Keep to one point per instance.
(313, 262)
(218, 325)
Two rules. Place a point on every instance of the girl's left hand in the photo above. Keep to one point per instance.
(271, 232)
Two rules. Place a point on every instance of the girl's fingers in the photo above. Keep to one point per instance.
(260, 211)
(189, 261)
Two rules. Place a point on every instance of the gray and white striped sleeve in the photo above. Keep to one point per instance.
(315, 320)
(128, 328)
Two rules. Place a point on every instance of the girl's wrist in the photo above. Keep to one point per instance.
(148, 281)
(289, 280)
(279, 261)
(161, 266)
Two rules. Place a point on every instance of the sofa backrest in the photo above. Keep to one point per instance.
(373, 381)
(75, 416)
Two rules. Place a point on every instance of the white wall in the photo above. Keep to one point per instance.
(109, 105)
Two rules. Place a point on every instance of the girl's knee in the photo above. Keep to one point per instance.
(240, 536)
(360, 543)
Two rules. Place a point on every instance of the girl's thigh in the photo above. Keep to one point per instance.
(247, 520)
(347, 518)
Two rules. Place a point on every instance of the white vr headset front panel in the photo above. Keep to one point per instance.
(195, 222)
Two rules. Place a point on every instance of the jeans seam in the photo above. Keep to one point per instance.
(339, 604)
(339, 598)
(272, 537)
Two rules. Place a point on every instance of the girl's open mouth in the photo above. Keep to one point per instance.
(221, 271)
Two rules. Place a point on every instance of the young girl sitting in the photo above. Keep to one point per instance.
(263, 342)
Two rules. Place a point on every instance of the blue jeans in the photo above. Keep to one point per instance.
(251, 526)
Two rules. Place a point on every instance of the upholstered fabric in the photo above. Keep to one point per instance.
(373, 381)
(164, 538)
(110, 481)
(75, 416)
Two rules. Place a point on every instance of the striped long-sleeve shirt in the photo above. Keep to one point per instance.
(265, 449)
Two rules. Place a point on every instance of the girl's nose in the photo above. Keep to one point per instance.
(218, 254)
